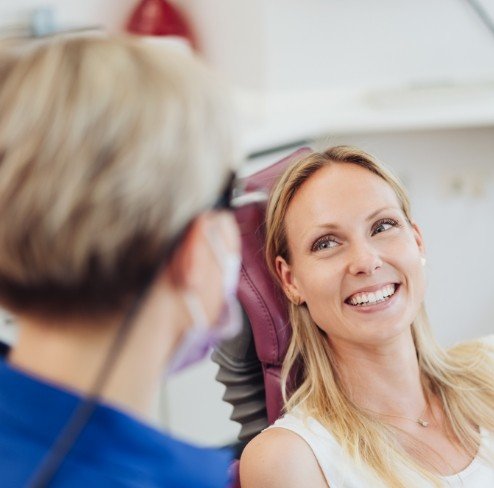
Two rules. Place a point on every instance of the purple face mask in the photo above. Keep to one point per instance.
(200, 338)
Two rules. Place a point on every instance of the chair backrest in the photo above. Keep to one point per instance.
(256, 393)
(260, 297)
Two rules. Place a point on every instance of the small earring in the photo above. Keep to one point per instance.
(295, 300)
(423, 260)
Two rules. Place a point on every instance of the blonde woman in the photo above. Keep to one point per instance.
(117, 257)
(379, 403)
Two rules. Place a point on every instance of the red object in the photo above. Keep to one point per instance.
(158, 18)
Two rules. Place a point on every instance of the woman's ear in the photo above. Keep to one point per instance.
(418, 238)
(288, 283)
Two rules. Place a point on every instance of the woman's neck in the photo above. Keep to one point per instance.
(384, 379)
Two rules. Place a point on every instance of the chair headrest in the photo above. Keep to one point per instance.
(258, 293)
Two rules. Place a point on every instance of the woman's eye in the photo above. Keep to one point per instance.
(327, 242)
(383, 225)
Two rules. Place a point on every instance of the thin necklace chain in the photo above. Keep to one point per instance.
(418, 420)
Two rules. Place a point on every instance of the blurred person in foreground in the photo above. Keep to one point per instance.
(376, 401)
(118, 258)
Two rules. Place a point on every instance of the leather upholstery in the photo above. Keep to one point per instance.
(260, 297)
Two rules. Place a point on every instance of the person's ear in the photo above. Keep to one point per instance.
(288, 281)
(417, 233)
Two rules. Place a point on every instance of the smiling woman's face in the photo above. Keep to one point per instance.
(355, 260)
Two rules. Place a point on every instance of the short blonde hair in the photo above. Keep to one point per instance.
(108, 148)
(460, 378)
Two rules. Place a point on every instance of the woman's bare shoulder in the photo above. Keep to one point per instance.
(279, 458)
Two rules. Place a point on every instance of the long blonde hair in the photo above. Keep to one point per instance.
(461, 378)
(108, 147)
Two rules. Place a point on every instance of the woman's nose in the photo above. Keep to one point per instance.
(364, 260)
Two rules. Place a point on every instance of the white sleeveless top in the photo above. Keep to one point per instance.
(340, 471)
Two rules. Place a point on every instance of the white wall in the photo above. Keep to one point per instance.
(365, 43)
(315, 44)
(194, 410)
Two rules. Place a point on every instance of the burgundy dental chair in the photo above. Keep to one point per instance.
(250, 364)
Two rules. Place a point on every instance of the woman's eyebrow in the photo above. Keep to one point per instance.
(377, 212)
(332, 225)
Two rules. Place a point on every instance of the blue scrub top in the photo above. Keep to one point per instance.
(114, 449)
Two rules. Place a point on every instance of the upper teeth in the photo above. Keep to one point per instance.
(373, 297)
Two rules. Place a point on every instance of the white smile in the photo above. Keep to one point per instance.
(371, 298)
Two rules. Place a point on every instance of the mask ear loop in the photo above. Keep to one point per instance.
(217, 247)
(196, 310)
